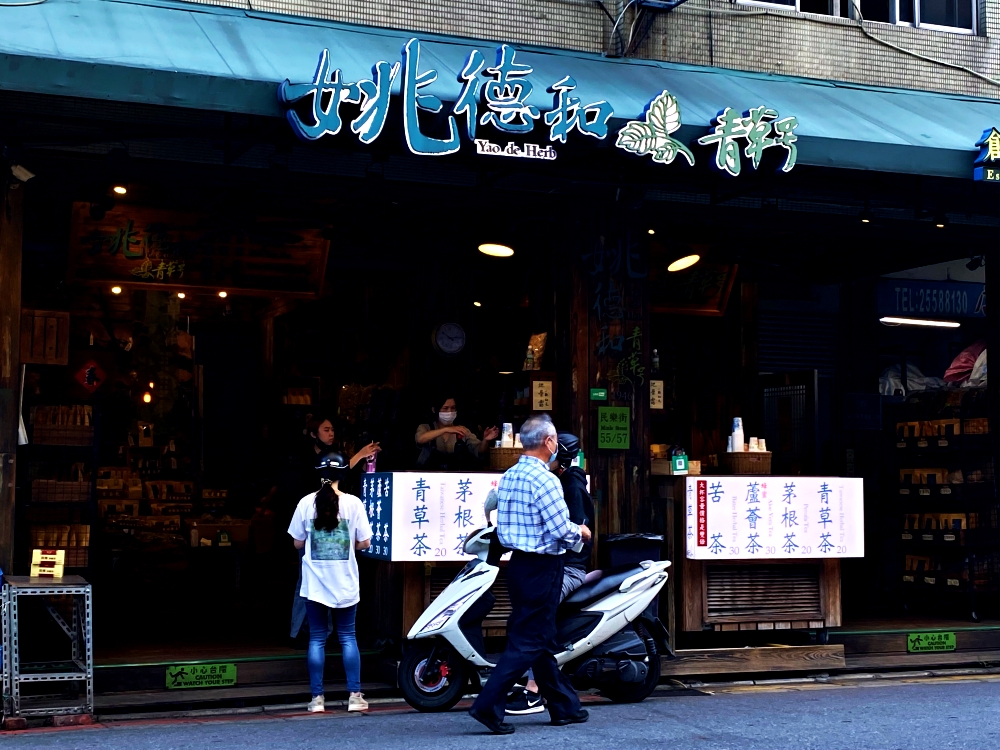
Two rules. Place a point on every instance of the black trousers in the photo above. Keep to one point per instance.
(535, 585)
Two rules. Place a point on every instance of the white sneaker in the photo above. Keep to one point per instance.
(357, 702)
(317, 705)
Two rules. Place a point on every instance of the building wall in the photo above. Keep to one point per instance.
(701, 32)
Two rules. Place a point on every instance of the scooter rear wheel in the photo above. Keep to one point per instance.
(636, 692)
(432, 676)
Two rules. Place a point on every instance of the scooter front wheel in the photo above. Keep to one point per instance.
(432, 676)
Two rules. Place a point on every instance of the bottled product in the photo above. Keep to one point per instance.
(656, 361)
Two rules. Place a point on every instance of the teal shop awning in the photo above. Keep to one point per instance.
(204, 57)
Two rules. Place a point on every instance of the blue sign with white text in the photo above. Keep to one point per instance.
(913, 298)
(376, 495)
(504, 98)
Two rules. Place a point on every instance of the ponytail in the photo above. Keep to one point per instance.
(327, 508)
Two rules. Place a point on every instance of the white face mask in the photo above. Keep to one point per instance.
(447, 417)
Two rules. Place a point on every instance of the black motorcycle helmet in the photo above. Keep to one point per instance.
(332, 466)
(569, 446)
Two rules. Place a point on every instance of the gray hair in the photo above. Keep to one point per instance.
(535, 430)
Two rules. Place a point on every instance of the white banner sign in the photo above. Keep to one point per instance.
(424, 516)
(764, 517)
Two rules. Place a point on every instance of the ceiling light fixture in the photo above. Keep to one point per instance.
(506, 372)
(181, 295)
(116, 290)
(495, 250)
(152, 385)
(223, 294)
(478, 304)
(889, 321)
(147, 397)
(681, 263)
(941, 220)
(866, 216)
(120, 189)
(650, 231)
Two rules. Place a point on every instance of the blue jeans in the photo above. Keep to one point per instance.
(318, 633)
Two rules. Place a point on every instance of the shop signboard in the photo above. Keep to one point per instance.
(201, 676)
(424, 516)
(986, 168)
(914, 298)
(613, 427)
(504, 101)
(919, 643)
(767, 517)
(598, 394)
(141, 246)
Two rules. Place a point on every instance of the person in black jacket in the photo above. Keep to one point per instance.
(575, 564)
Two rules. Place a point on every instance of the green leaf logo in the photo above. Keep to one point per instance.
(652, 135)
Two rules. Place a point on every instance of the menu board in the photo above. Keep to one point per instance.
(765, 517)
(424, 516)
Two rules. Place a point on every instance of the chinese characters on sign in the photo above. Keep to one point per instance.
(655, 394)
(376, 496)
(502, 97)
(765, 517)
(613, 427)
(502, 93)
(424, 516)
(923, 642)
(137, 245)
(541, 395)
(989, 153)
(761, 128)
(201, 675)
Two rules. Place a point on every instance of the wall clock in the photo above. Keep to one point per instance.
(448, 339)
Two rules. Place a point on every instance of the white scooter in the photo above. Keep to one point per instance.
(609, 638)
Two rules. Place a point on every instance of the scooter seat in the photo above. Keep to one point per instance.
(610, 580)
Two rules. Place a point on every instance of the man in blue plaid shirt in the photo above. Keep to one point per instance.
(533, 521)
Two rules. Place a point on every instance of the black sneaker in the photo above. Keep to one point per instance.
(523, 702)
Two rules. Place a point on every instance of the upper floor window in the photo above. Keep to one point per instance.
(945, 15)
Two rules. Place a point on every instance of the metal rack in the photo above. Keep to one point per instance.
(80, 666)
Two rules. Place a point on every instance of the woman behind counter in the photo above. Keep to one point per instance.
(446, 445)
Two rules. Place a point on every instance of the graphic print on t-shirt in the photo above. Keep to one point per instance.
(330, 545)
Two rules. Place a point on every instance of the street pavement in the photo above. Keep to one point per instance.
(889, 715)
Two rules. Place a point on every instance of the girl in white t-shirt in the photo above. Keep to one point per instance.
(330, 526)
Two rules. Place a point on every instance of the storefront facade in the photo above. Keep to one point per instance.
(597, 173)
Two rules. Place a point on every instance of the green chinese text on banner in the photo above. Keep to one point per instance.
(613, 427)
(201, 675)
(921, 642)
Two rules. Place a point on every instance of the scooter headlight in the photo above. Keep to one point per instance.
(439, 622)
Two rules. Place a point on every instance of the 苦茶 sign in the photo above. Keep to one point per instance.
(766, 517)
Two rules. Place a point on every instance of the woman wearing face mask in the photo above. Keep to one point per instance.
(446, 444)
